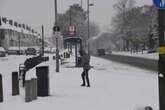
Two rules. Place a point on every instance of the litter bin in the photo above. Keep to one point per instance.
(42, 73)
(1, 89)
(15, 84)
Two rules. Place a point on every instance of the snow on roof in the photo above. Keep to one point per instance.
(17, 48)
(14, 28)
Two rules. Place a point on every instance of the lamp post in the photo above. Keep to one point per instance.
(88, 5)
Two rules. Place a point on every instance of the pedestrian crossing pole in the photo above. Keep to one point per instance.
(160, 5)
(161, 72)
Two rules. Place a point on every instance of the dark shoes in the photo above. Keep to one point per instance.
(84, 85)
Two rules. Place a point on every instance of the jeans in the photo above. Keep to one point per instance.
(85, 77)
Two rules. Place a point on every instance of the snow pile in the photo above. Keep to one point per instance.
(139, 54)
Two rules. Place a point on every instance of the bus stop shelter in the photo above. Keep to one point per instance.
(74, 41)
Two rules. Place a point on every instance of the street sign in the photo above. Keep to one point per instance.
(72, 40)
(56, 28)
(159, 4)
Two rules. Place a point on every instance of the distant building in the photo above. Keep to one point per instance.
(12, 33)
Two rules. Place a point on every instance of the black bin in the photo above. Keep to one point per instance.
(42, 73)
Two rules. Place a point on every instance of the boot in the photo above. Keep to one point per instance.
(83, 84)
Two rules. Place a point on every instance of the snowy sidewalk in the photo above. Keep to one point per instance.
(113, 87)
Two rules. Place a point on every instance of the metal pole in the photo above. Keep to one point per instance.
(19, 43)
(57, 50)
(70, 23)
(42, 41)
(81, 4)
(76, 54)
(123, 27)
(55, 7)
(161, 77)
(88, 27)
(70, 16)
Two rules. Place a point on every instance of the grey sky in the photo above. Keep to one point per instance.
(38, 12)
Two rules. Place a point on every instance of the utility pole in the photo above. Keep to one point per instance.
(161, 77)
(56, 35)
(81, 4)
(88, 27)
(42, 47)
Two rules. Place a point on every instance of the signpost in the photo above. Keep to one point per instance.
(160, 4)
(56, 30)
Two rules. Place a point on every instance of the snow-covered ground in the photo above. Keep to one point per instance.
(114, 86)
(139, 54)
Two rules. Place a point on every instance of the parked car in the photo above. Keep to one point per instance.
(151, 51)
(47, 50)
(2, 52)
(53, 50)
(13, 51)
(31, 51)
(100, 52)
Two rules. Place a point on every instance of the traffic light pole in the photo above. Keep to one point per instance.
(57, 50)
(161, 77)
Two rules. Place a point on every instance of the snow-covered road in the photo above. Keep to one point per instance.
(114, 86)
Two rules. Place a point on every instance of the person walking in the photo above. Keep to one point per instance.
(86, 67)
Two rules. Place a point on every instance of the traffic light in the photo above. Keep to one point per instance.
(56, 28)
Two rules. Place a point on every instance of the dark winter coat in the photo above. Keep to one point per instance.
(85, 60)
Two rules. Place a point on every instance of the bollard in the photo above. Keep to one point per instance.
(23, 78)
(65, 55)
(42, 74)
(28, 91)
(54, 57)
(1, 89)
(15, 83)
(34, 88)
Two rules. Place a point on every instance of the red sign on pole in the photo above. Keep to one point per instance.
(72, 30)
